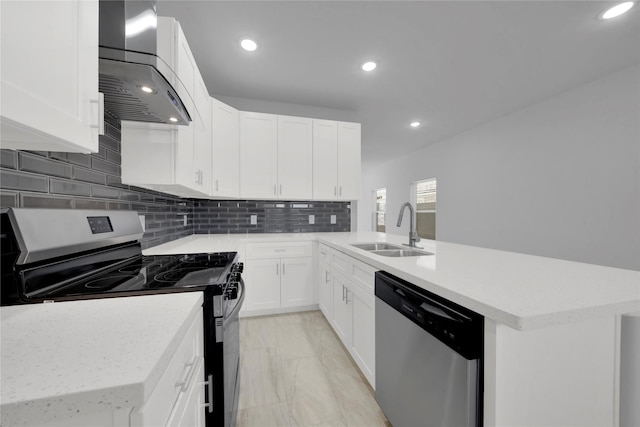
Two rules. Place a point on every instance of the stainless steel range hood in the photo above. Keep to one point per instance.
(137, 84)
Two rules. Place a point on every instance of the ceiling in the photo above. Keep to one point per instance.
(452, 65)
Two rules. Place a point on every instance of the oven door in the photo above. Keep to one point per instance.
(231, 355)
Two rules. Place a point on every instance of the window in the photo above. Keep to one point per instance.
(380, 207)
(425, 202)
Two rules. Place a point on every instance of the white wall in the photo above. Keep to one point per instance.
(559, 178)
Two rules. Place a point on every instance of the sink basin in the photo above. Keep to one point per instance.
(400, 253)
(376, 246)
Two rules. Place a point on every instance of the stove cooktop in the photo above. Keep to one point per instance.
(149, 273)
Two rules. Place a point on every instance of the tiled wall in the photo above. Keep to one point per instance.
(234, 216)
(83, 181)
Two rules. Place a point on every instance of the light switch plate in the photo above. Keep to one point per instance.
(143, 223)
(254, 219)
(333, 219)
(312, 219)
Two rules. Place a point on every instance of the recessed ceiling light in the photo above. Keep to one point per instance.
(249, 45)
(617, 10)
(414, 124)
(173, 119)
(369, 66)
(146, 89)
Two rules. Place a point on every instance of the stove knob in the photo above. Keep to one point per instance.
(238, 267)
(232, 290)
(235, 277)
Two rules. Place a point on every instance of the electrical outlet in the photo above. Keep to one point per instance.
(312, 219)
(143, 223)
(333, 219)
(254, 219)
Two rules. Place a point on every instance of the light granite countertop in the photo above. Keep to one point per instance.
(518, 290)
(89, 356)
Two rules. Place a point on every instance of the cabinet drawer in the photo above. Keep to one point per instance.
(362, 274)
(324, 253)
(278, 250)
(340, 262)
(177, 378)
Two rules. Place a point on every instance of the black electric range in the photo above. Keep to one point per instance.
(53, 255)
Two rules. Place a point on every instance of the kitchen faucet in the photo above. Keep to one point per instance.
(413, 234)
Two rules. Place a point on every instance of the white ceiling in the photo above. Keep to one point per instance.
(450, 64)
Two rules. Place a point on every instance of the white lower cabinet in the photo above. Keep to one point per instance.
(363, 339)
(296, 284)
(346, 297)
(262, 281)
(278, 278)
(341, 320)
(190, 410)
(178, 398)
(325, 290)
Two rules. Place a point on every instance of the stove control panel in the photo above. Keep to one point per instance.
(100, 224)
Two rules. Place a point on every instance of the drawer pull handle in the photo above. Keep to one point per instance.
(209, 384)
(184, 384)
(280, 250)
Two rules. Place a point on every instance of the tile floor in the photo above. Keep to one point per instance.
(295, 372)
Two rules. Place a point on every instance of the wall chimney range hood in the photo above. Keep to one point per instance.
(137, 84)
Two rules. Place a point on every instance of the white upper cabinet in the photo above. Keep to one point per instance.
(225, 150)
(49, 75)
(170, 158)
(349, 169)
(258, 155)
(276, 156)
(325, 159)
(295, 157)
(336, 160)
(202, 134)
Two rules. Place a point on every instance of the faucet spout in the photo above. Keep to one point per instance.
(413, 234)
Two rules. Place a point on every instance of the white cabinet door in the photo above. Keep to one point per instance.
(262, 283)
(296, 284)
(49, 75)
(325, 159)
(341, 320)
(258, 155)
(325, 290)
(362, 307)
(225, 150)
(295, 157)
(189, 409)
(349, 162)
(202, 137)
(185, 67)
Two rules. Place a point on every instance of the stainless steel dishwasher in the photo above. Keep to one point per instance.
(429, 370)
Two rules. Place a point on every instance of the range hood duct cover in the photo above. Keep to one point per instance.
(128, 61)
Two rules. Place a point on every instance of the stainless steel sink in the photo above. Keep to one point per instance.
(387, 249)
(376, 246)
(401, 253)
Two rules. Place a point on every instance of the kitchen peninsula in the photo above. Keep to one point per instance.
(551, 326)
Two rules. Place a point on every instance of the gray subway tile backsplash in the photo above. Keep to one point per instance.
(9, 159)
(92, 181)
(43, 165)
(16, 180)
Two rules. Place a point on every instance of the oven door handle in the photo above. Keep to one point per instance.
(238, 305)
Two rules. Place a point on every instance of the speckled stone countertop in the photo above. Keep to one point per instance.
(517, 290)
(89, 356)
